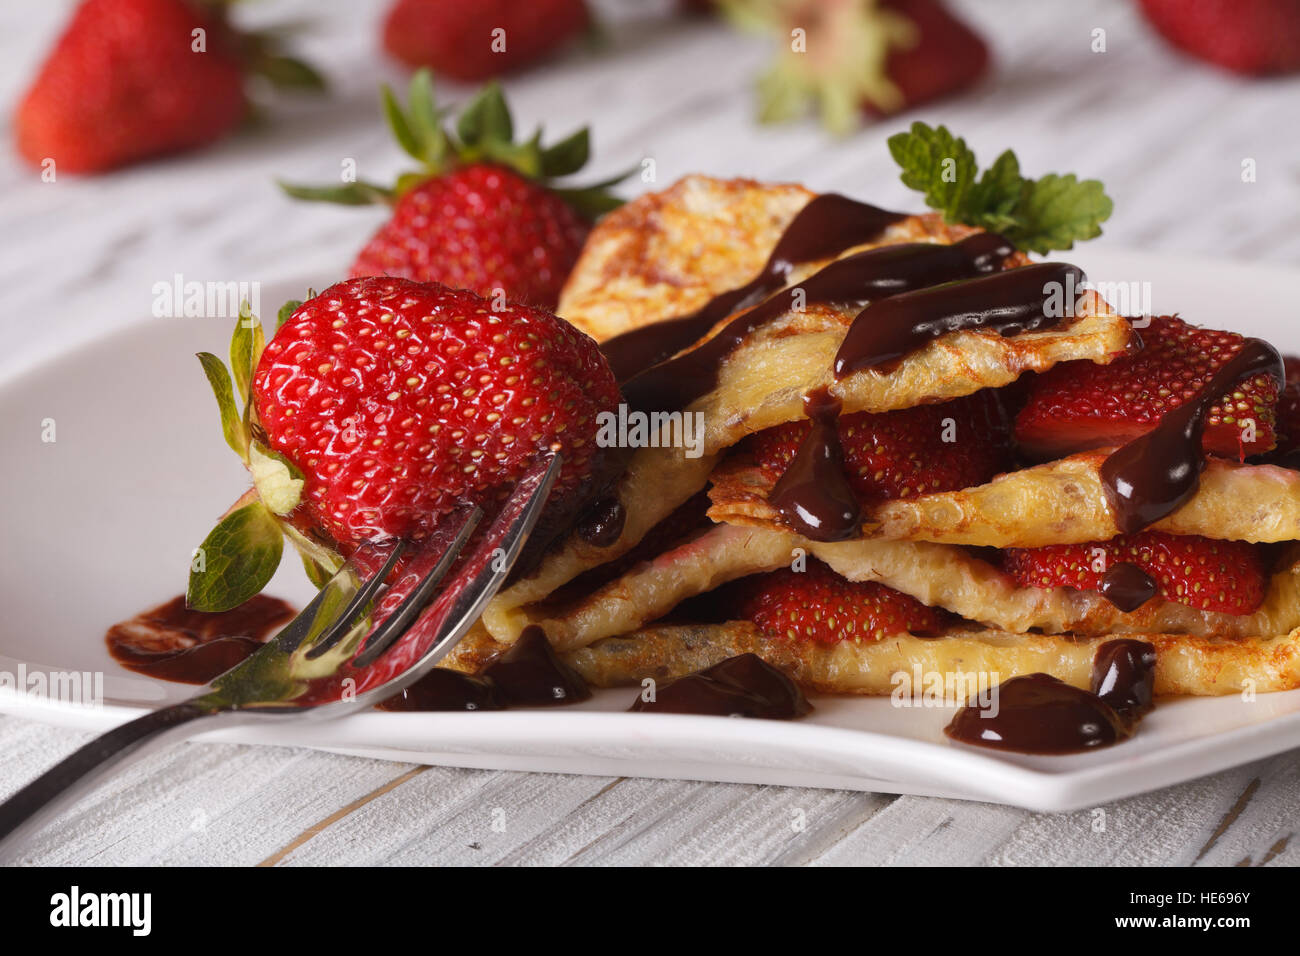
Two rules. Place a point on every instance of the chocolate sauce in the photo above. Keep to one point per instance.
(1039, 714)
(827, 225)
(1156, 472)
(743, 686)
(1011, 302)
(814, 495)
(1123, 675)
(530, 674)
(1127, 586)
(172, 642)
(875, 274)
(445, 689)
(602, 526)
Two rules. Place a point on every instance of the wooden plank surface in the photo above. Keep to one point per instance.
(1167, 137)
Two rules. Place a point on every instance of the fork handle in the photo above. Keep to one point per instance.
(75, 775)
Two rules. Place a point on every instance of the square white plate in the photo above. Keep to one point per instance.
(100, 523)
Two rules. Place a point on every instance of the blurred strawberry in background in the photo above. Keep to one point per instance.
(848, 58)
(1254, 37)
(475, 40)
(131, 79)
(483, 212)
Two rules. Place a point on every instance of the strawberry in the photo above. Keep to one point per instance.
(1079, 405)
(381, 405)
(1224, 576)
(854, 56)
(459, 38)
(902, 454)
(1287, 425)
(1254, 37)
(818, 605)
(131, 79)
(482, 213)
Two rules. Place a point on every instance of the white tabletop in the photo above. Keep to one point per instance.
(1166, 135)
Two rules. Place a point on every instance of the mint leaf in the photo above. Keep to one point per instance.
(937, 164)
(236, 559)
(1057, 210)
(1037, 215)
(232, 427)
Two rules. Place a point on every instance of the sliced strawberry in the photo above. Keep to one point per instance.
(1078, 405)
(1209, 575)
(819, 605)
(909, 452)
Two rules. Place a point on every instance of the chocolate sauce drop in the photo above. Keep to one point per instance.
(1127, 586)
(1038, 714)
(814, 495)
(875, 274)
(603, 524)
(827, 225)
(743, 686)
(1155, 473)
(1123, 675)
(446, 689)
(173, 642)
(530, 674)
(1018, 300)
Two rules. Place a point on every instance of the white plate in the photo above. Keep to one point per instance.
(99, 525)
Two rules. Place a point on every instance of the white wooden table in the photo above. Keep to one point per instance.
(1168, 138)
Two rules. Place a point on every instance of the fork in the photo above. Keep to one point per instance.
(361, 640)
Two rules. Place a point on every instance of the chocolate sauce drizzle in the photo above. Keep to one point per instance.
(173, 642)
(1011, 302)
(1155, 473)
(824, 227)
(603, 524)
(1039, 714)
(875, 274)
(742, 686)
(528, 674)
(1127, 586)
(814, 495)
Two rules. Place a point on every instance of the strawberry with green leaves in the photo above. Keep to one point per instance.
(132, 79)
(381, 405)
(483, 212)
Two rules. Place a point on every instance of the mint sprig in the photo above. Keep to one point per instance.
(1038, 215)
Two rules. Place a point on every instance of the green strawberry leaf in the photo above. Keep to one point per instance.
(315, 573)
(232, 427)
(286, 311)
(289, 73)
(359, 193)
(236, 559)
(397, 122)
(245, 349)
(568, 155)
(486, 119)
(1037, 215)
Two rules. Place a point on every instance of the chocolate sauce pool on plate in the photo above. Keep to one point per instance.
(1039, 714)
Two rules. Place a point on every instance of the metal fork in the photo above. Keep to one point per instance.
(361, 640)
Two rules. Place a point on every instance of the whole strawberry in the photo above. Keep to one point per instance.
(482, 213)
(849, 57)
(818, 605)
(382, 404)
(130, 79)
(1255, 37)
(474, 40)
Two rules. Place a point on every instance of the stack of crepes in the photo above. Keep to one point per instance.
(666, 595)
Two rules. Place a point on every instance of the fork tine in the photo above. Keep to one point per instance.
(448, 618)
(348, 616)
